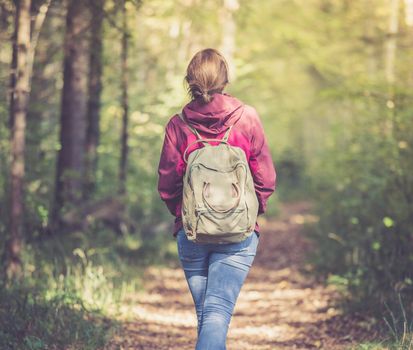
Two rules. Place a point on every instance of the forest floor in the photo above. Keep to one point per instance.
(280, 306)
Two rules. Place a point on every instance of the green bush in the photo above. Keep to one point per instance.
(365, 205)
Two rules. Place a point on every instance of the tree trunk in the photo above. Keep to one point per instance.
(372, 63)
(13, 70)
(408, 16)
(18, 109)
(124, 102)
(70, 162)
(391, 44)
(390, 64)
(35, 32)
(95, 89)
(229, 28)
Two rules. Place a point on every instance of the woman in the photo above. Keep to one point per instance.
(215, 272)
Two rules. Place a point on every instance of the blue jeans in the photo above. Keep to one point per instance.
(215, 274)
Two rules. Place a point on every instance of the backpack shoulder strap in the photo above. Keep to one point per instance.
(190, 127)
(200, 139)
(225, 138)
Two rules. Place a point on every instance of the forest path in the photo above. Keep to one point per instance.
(280, 306)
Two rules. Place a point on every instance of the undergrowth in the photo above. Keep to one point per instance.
(72, 287)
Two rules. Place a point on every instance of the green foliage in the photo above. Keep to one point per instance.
(366, 217)
(364, 234)
(366, 213)
(361, 167)
(72, 286)
(340, 132)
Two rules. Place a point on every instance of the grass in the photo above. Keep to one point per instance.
(400, 330)
(73, 286)
(370, 346)
(30, 320)
(386, 345)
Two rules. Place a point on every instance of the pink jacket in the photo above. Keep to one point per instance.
(211, 121)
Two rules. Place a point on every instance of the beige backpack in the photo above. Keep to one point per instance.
(219, 202)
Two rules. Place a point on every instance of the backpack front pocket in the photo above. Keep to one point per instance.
(214, 223)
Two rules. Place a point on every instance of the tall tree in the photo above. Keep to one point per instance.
(229, 28)
(408, 4)
(70, 162)
(390, 60)
(124, 101)
(34, 35)
(25, 39)
(391, 44)
(18, 109)
(95, 89)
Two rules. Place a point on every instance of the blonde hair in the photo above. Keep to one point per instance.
(207, 73)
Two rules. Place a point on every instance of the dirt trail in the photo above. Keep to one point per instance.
(280, 306)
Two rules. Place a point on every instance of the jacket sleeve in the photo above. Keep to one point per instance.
(261, 164)
(170, 176)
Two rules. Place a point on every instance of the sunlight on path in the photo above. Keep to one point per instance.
(280, 305)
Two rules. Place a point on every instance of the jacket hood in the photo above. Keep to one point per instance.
(216, 116)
